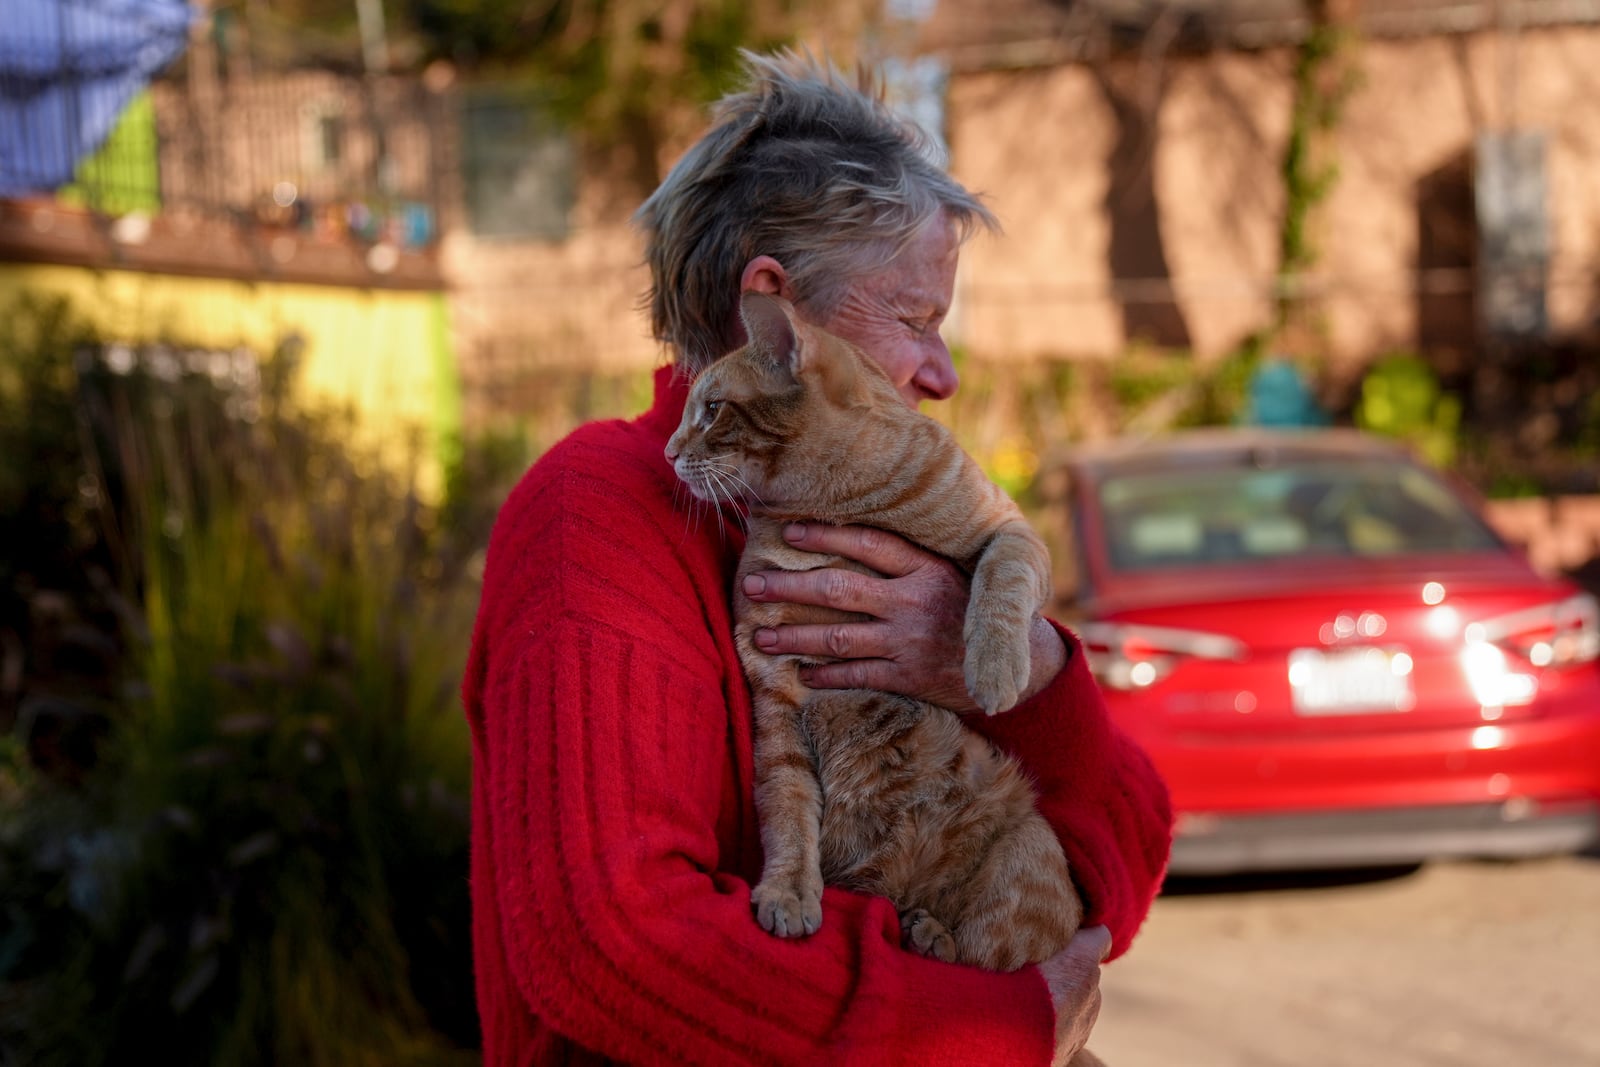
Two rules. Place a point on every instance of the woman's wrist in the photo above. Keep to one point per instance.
(1048, 654)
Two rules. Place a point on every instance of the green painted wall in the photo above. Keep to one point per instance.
(122, 175)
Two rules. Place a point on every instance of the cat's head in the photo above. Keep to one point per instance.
(760, 421)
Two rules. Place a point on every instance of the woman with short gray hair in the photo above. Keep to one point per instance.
(800, 167)
(614, 829)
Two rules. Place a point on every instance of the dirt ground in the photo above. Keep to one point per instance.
(1449, 965)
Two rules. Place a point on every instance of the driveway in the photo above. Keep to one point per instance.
(1450, 965)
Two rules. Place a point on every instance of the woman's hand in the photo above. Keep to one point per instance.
(911, 642)
(1073, 975)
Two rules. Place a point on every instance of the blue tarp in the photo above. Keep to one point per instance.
(67, 69)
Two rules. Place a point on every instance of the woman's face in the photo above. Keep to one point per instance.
(894, 316)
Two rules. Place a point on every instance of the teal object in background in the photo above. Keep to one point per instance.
(1279, 396)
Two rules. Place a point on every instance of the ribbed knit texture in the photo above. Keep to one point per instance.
(614, 831)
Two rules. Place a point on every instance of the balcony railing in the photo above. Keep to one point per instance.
(243, 156)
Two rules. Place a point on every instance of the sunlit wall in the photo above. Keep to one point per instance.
(384, 353)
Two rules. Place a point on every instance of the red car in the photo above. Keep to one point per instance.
(1331, 656)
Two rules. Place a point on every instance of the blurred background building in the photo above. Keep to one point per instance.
(1351, 179)
(433, 203)
(1138, 152)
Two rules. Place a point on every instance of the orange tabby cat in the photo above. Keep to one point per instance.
(857, 788)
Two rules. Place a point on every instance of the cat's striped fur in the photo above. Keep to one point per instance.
(867, 790)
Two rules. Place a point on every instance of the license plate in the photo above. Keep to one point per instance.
(1364, 680)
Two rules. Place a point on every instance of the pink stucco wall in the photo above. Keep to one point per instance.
(1036, 142)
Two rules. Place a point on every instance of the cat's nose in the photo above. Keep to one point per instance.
(670, 452)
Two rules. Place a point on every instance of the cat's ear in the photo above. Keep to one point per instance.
(769, 328)
(798, 352)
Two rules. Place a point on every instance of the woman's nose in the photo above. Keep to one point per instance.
(936, 378)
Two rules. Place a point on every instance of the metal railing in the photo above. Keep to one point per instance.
(244, 127)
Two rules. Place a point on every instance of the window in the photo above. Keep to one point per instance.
(517, 165)
(322, 134)
(1209, 516)
(1513, 232)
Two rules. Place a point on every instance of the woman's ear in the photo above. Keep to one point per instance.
(764, 274)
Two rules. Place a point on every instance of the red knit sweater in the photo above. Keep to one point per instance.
(614, 832)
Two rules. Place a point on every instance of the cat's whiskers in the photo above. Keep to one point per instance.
(699, 507)
(718, 481)
(731, 472)
(702, 477)
(691, 513)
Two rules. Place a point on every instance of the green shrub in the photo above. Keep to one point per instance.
(1401, 397)
(1139, 378)
(1155, 390)
(1224, 392)
(263, 859)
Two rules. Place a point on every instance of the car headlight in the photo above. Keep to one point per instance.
(1129, 656)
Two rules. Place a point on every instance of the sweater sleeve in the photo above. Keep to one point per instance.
(603, 757)
(1098, 789)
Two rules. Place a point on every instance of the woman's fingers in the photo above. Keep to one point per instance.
(904, 630)
(829, 587)
(886, 553)
(843, 640)
(1073, 975)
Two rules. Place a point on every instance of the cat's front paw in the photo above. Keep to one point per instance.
(788, 907)
(996, 667)
(926, 936)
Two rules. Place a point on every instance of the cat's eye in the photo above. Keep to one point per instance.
(708, 410)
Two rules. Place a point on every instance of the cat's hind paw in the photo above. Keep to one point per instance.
(926, 936)
(788, 907)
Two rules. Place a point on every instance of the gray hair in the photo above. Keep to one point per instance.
(801, 166)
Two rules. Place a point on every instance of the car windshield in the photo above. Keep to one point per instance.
(1186, 516)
